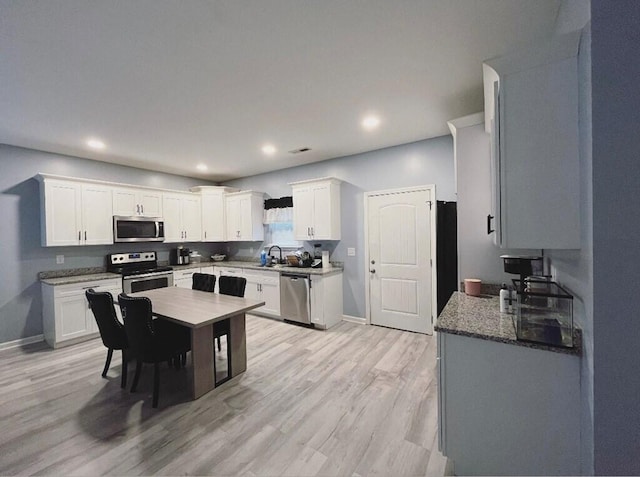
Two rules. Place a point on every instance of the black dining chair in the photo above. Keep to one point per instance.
(234, 286)
(204, 282)
(111, 330)
(151, 341)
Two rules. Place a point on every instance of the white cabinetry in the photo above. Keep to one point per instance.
(213, 212)
(182, 217)
(75, 213)
(184, 278)
(130, 202)
(531, 111)
(244, 212)
(326, 300)
(67, 318)
(507, 410)
(316, 209)
(264, 285)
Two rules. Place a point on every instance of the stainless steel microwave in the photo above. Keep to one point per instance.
(138, 229)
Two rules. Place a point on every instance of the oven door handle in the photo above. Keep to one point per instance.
(134, 278)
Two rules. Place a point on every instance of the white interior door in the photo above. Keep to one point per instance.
(399, 260)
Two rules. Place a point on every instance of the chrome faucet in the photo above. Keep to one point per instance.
(279, 249)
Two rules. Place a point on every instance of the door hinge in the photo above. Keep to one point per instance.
(431, 262)
(430, 203)
(432, 319)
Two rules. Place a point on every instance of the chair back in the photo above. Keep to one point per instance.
(111, 330)
(203, 282)
(232, 285)
(136, 313)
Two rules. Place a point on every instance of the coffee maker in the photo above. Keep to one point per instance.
(179, 256)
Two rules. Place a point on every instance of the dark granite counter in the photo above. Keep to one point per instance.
(480, 317)
(253, 265)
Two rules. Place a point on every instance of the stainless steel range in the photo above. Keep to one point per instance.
(140, 271)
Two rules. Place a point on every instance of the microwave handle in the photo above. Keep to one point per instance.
(157, 229)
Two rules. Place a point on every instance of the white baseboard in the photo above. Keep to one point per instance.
(21, 342)
(354, 319)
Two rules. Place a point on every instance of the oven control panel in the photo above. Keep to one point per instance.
(137, 257)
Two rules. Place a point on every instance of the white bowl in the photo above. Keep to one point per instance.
(218, 257)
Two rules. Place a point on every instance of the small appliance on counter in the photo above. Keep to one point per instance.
(179, 256)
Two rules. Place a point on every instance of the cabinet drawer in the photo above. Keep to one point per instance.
(236, 272)
(79, 288)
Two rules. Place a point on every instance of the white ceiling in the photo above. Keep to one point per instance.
(169, 84)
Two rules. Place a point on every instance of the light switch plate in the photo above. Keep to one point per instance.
(351, 252)
(59, 259)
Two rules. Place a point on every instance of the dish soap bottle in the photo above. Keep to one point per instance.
(505, 298)
(263, 258)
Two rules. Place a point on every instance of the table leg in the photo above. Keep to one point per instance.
(238, 338)
(202, 358)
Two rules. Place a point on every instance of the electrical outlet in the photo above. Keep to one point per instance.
(351, 252)
(59, 259)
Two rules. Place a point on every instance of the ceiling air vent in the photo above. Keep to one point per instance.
(298, 151)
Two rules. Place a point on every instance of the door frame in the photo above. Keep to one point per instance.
(367, 276)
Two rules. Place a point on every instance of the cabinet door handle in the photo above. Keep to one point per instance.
(313, 232)
(489, 219)
(138, 209)
(142, 208)
(85, 235)
(79, 235)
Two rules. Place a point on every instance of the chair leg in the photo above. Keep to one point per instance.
(136, 377)
(156, 383)
(123, 379)
(107, 363)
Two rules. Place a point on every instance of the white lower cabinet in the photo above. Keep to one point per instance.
(505, 409)
(184, 278)
(66, 316)
(264, 285)
(326, 300)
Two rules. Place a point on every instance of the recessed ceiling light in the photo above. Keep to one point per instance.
(269, 149)
(370, 122)
(202, 167)
(95, 144)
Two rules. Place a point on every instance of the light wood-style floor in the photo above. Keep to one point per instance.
(351, 401)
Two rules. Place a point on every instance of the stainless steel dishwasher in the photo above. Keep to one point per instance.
(294, 298)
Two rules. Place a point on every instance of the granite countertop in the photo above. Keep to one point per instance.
(256, 266)
(79, 275)
(480, 317)
(59, 278)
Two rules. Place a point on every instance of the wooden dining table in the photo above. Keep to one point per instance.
(199, 310)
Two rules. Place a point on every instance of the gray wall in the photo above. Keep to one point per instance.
(419, 163)
(22, 257)
(602, 275)
(615, 69)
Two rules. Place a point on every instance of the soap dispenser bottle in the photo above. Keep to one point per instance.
(505, 298)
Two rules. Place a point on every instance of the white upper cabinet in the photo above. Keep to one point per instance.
(75, 213)
(182, 216)
(316, 209)
(137, 202)
(213, 212)
(531, 111)
(244, 213)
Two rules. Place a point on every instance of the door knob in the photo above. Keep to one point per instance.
(373, 270)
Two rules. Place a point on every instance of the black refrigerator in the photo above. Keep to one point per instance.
(446, 251)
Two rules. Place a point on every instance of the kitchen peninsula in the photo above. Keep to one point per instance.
(523, 414)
